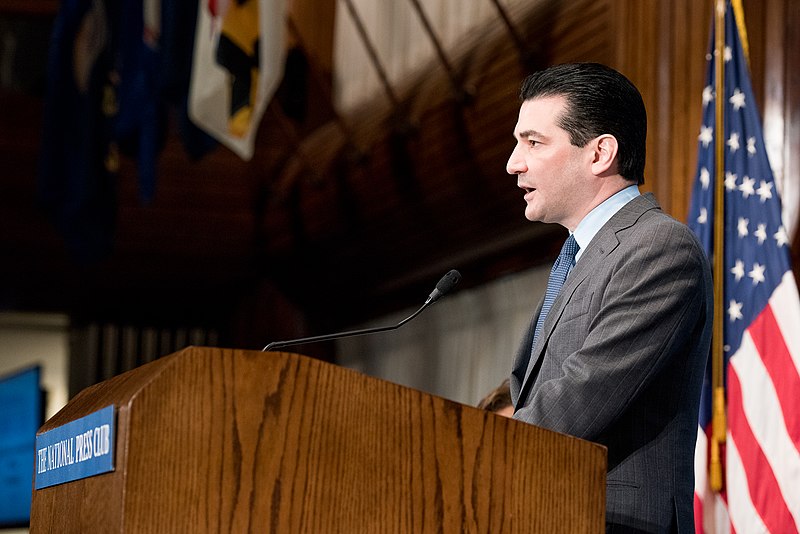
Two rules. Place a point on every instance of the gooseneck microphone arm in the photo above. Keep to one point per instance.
(327, 337)
(447, 283)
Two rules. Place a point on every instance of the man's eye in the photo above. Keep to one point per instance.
(532, 142)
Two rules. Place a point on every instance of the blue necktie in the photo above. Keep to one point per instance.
(558, 274)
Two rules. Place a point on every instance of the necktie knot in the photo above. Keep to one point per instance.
(569, 249)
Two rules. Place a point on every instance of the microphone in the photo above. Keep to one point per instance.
(444, 286)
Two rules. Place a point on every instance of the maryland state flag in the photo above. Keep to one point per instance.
(238, 62)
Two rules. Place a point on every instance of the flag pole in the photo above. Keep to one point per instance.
(718, 422)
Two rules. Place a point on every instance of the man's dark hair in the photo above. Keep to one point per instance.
(600, 100)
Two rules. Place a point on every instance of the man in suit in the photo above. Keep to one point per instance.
(616, 355)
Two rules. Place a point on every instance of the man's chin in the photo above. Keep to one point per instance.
(532, 215)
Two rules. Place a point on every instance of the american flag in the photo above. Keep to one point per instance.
(761, 342)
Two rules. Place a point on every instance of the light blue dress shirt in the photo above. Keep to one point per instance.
(595, 219)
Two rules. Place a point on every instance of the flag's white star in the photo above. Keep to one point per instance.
(734, 310)
(737, 99)
(733, 142)
(751, 146)
(742, 227)
(747, 188)
(728, 54)
(708, 95)
(738, 270)
(764, 191)
(706, 135)
(781, 237)
(761, 233)
(730, 181)
(757, 273)
(703, 217)
(705, 177)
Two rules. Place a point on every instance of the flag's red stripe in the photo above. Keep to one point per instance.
(769, 342)
(698, 497)
(764, 490)
(698, 514)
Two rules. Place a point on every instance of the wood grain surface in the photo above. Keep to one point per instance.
(216, 440)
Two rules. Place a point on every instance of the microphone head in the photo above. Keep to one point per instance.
(448, 281)
(445, 285)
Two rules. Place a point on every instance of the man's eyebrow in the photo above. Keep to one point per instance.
(530, 133)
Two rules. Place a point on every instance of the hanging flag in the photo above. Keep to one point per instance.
(140, 124)
(114, 69)
(78, 159)
(238, 63)
(176, 47)
(761, 341)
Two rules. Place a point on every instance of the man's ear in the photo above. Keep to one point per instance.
(604, 154)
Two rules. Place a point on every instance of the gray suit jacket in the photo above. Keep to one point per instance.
(620, 362)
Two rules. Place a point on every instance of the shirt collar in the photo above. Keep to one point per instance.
(595, 219)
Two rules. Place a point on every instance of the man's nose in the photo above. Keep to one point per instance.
(516, 163)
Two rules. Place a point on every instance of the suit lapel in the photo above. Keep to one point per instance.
(603, 243)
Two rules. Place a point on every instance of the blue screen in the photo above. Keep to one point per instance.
(21, 415)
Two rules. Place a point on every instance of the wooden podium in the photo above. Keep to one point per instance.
(220, 440)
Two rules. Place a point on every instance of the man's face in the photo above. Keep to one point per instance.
(553, 173)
